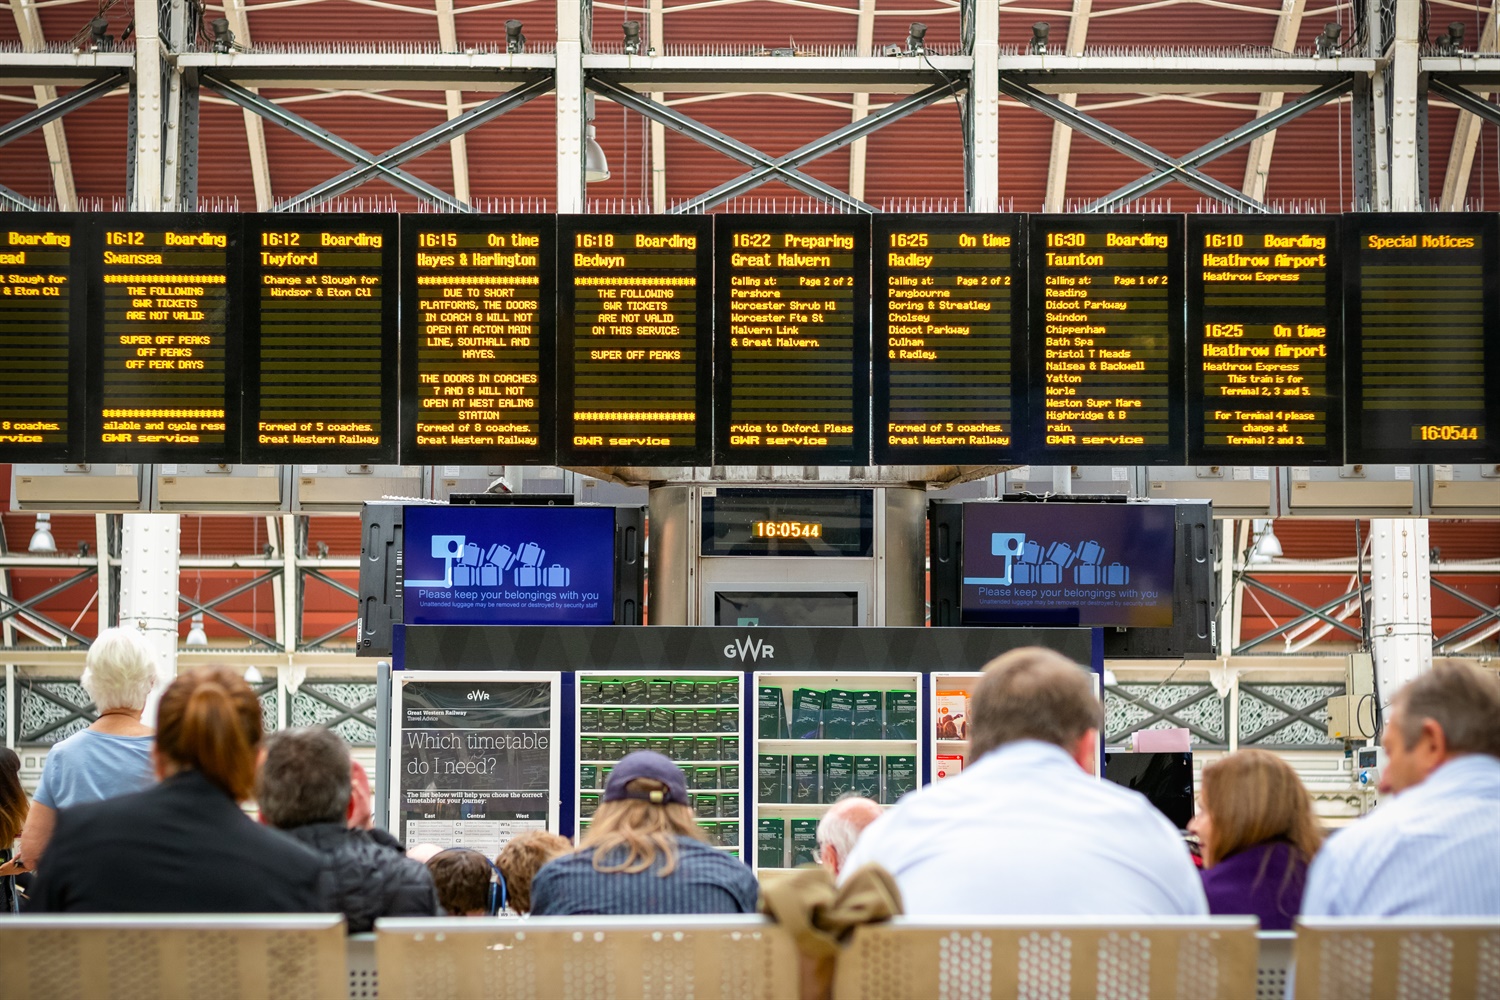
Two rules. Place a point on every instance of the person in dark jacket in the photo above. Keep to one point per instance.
(304, 789)
(184, 845)
(1256, 825)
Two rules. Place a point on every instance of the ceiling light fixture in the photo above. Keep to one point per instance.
(196, 636)
(42, 541)
(595, 165)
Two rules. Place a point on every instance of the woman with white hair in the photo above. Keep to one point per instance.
(111, 757)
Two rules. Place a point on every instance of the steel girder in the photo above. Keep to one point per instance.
(9, 606)
(1309, 613)
(207, 607)
(48, 113)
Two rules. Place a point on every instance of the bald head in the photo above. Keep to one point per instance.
(841, 826)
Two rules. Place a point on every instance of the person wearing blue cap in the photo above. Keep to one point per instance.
(644, 853)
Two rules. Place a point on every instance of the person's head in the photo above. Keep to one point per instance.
(361, 800)
(463, 878)
(423, 852)
(841, 826)
(1035, 694)
(522, 857)
(13, 804)
(1451, 710)
(119, 671)
(644, 810)
(209, 721)
(1248, 798)
(304, 778)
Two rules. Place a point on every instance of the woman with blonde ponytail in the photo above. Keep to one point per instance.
(184, 845)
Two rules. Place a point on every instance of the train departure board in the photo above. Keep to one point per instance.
(948, 351)
(478, 301)
(164, 338)
(321, 338)
(792, 334)
(1422, 337)
(634, 344)
(43, 293)
(1106, 339)
(1265, 339)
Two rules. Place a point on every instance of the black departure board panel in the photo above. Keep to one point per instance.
(1106, 339)
(321, 338)
(792, 313)
(1265, 338)
(949, 322)
(478, 302)
(1422, 337)
(634, 341)
(164, 338)
(43, 293)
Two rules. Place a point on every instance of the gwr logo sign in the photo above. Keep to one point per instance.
(749, 649)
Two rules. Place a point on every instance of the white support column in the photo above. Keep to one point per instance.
(570, 189)
(1400, 602)
(1062, 136)
(984, 110)
(656, 39)
(255, 125)
(29, 27)
(1258, 164)
(864, 43)
(1466, 134)
(101, 554)
(458, 148)
(1379, 101)
(1405, 184)
(148, 105)
(173, 198)
(290, 609)
(149, 548)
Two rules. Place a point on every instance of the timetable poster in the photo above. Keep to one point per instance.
(477, 328)
(949, 366)
(792, 311)
(1106, 339)
(320, 338)
(475, 759)
(164, 338)
(1422, 337)
(43, 294)
(634, 336)
(1265, 339)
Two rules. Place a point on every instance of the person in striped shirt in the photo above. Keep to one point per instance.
(644, 853)
(1433, 849)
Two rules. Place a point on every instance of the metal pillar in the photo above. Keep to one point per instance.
(984, 112)
(1405, 120)
(570, 189)
(145, 195)
(149, 548)
(1379, 133)
(1400, 602)
(656, 42)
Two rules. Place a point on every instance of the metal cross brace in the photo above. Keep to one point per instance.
(1308, 612)
(767, 168)
(1241, 136)
(346, 713)
(336, 585)
(29, 605)
(1129, 145)
(1490, 614)
(1305, 714)
(73, 710)
(208, 607)
(1466, 100)
(50, 112)
(1157, 713)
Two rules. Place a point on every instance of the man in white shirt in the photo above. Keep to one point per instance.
(840, 827)
(1026, 829)
(1434, 849)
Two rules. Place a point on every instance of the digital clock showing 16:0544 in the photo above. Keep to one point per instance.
(786, 529)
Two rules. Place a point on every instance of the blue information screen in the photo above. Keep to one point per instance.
(509, 565)
(1068, 564)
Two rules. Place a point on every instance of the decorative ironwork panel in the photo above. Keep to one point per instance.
(51, 709)
(1292, 716)
(1129, 708)
(346, 707)
(269, 703)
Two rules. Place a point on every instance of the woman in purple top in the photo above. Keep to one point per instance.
(1255, 822)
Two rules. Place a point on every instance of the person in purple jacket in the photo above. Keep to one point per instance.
(1256, 825)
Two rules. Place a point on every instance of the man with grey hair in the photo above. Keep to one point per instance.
(841, 826)
(303, 787)
(1026, 829)
(1431, 850)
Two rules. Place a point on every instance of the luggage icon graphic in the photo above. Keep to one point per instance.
(1090, 552)
(528, 576)
(1048, 573)
(557, 576)
(530, 554)
(1032, 553)
(1116, 574)
(464, 576)
(489, 575)
(1087, 574)
(500, 555)
(1060, 554)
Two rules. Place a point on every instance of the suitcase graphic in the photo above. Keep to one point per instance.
(527, 576)
(1090, 552)
(1032, 553)
(463, 576)
(1116, 574)
(557, 575)
(500, 555)
(1087, 574)
(471, 554)
(1060, 554)
(530, 554)
(1049, 573)
(1022, 573)
(489, 576)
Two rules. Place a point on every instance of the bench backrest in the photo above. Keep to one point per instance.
(124, 957)
(652, 958)
(1200, 959)
(1430, 958)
